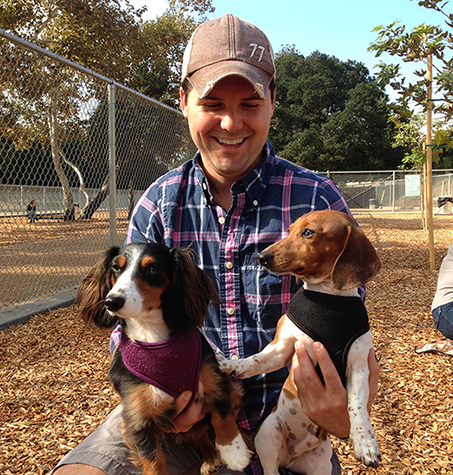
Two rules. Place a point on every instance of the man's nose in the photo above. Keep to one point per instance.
(231, 121)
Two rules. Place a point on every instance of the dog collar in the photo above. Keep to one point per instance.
(172, 365)
(333, 320)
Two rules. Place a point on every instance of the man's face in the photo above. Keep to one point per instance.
(229, 127)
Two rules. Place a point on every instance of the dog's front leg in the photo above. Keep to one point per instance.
(230, 442)
(156, 465)
(366, 446)
(147, 452)
(223, 400)
(146, 409)
(274, 356)
(200, 436)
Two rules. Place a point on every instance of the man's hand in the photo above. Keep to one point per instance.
(326, 405)
(186, 418)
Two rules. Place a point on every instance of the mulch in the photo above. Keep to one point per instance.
(55, 390)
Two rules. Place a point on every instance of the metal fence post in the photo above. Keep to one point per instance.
(421, 192)
(394, 191)
(112, 165)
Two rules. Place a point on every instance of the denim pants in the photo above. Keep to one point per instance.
(443, 319)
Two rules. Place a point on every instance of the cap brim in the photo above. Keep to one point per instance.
(206, 78)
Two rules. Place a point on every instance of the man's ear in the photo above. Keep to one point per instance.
(273, 104)
(183, 102)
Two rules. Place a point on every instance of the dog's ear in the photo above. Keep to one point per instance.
(186, 303)
(358, 263)
(94, 289)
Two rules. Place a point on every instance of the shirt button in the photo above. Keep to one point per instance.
(255, 203)
(221, 220)
(235, 357)
(230, 311)
(229, 265)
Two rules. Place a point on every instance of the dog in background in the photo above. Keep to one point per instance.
(161, 298)
(333, 257)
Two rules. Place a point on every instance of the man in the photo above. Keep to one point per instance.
(229, 203)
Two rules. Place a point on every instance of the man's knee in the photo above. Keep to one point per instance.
(79, 469)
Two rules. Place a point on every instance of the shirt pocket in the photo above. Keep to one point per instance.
(263, 297)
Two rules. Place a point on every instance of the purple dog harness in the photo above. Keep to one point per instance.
(172, 365)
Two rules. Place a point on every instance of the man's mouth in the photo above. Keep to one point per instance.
(230, 141)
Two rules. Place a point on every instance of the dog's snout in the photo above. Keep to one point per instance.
(114, 302)
(265, 258)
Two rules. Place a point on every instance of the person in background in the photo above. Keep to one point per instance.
(228, 203)
(442, 309)
(31, 211)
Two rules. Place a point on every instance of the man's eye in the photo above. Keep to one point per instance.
(212, 105)
(307, 232)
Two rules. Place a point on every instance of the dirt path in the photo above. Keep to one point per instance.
(55, 391)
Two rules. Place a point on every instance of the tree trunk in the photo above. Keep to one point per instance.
(69, 210)
(79, 174)
(93, 204)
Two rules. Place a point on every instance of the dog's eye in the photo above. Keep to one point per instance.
(151, 269)
(116, 267)
(307, 232)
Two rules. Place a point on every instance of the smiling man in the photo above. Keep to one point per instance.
(229, 126)
(230, 202)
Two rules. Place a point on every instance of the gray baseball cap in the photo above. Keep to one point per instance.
(228, 46)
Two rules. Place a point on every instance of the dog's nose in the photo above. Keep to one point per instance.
(114, 302)
(265, 258)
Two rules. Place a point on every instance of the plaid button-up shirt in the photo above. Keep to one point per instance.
(179, 211)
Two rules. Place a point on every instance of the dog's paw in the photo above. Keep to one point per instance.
(236, 455)
(211, 466)
(242, 368)
(368, 452)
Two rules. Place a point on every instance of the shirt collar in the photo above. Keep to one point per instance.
(254, 184)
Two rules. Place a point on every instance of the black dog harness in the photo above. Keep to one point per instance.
(334, 321)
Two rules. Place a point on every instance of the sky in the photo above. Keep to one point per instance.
(340, 28)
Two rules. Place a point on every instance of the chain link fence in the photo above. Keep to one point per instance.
(76, 152)
(393, 190)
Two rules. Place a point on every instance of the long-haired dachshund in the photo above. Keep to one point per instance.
(333, 257)
(161, 298)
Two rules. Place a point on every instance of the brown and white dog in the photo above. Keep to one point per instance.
(333, 257)
(161, 298)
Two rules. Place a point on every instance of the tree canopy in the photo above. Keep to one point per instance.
(414, 47)
(100, 35)
(44, 98)
(330, 114)
(164, 40)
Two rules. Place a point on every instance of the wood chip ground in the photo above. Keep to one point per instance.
(53, 369)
